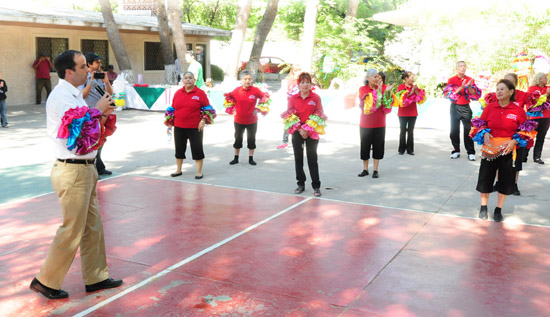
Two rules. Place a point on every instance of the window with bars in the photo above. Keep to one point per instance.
(153, 56)
(50, 46)
(100, 47)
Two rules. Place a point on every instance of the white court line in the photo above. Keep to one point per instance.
(336, 200)
(187, 260)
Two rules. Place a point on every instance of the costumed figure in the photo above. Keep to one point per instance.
(376, 102)
(406, 98)
(246, 102)
(189, 113)
(305, 120)
(502, 126)
(460, 90)
(538, 109)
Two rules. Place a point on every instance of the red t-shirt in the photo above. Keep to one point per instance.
(43, 70)
(187, 107)
(410, 110)
(521, 98)
(503, 121)
(462, 94)
(376, 119)
(545, 113)
(245, 103)
(305, 107)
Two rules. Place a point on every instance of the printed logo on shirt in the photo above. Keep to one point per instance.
(511, 116)
(195, 98)
(251, 97)
(312, 103)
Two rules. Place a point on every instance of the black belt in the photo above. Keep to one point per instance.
(71, 161)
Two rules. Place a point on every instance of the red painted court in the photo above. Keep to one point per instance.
(186, 249)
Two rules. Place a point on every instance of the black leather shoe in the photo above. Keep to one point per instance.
(300, 189)
(401, 152)
(539, 161)
(363, 173)
(199, 177)
(516, 191)
(410, 153)
(108, 283)
(483, 214)
(498, 216)
(317, 192)
(105, 172)
(176, 174)
(375, 174)
(46, 291)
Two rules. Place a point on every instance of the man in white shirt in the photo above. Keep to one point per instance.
(74, 179)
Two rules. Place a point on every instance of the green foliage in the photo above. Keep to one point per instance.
(216, 72)
(487, 38)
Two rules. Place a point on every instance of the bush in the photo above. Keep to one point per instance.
(217, 73)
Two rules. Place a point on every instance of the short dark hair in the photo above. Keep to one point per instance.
(304, 76)
(383, 76)
(65, 61)
(510, 86)
(110, 67)
(406, 75)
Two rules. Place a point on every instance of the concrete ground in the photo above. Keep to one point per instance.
(428, 182)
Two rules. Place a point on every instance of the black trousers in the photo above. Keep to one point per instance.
(99, 162)
(250, 135)
(311, 152)
(375, 138)
(181, 135)
(461, 113)
(506, 175)
(406, 134)
(542, 129)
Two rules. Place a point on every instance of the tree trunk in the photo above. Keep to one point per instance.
(116, 41)
(166, 44)
(262, 30)
(308, 38)
(237, 38)
(174, 14)
(353, 5)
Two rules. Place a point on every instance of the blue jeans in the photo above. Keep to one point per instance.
(3, 112)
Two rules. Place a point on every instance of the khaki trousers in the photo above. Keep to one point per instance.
(75, 185)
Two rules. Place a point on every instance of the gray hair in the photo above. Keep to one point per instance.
(245, 73)
(537, 78)
(371, 72)
(187, 72)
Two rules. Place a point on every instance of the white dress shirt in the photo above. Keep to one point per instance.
(63, 97)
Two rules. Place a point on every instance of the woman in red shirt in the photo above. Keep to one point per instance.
(189, 112)
(373, 121)
(245, 102)
(502, 125)
(539, 85)
(407, 113)
(305, 120)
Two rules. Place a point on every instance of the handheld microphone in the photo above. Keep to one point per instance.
(101, 92)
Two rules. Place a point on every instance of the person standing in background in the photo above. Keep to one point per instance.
(3, 108)
(460, 90)
(42, 66)
(96, 77)
(196, 68)
(111, 74)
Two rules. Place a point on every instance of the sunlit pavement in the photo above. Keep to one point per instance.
(407, 243)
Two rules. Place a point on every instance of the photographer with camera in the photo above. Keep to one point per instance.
(96, 78)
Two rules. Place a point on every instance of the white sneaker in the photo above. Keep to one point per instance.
(455, 155)
(471, 157)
